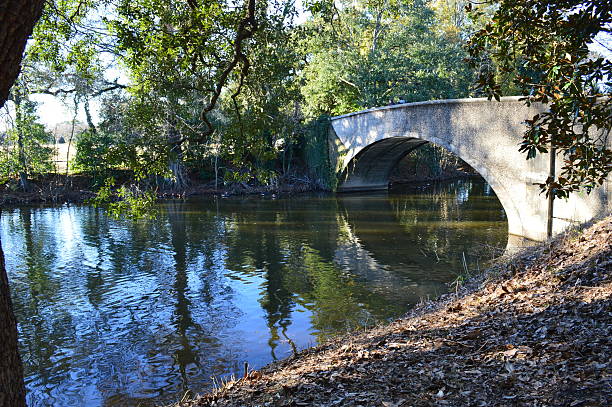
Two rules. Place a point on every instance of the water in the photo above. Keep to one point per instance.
(122, 312)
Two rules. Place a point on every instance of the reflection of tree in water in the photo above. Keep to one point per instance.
(282, 244)
(202, 311)
(183, 320)
(451, 217)
(95, 230)
(408, 246)
(47, 301)
(276, 299)
(258, 244)
(36, 298)
(337, 301)
(435, 227)
(98, 315)
(131, 309)
(39, 255)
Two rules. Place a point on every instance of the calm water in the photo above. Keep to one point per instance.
(122, 312)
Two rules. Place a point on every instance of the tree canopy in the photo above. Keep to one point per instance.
(371, 53)
(544, 46)
(241, 81)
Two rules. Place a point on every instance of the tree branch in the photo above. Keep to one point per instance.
(110, 86)
(246, 29)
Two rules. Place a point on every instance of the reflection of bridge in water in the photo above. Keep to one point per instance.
(375, 252)
(368, 144)
(392, 248)
(417, 239)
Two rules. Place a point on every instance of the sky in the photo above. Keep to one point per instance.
(52, 111)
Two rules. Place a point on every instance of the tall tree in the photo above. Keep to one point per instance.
(17, 19)
(368, 53)
(544, 46)
(26, 152)
(199, 45)
(263, 120)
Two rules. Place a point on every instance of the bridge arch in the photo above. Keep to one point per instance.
(366, 145)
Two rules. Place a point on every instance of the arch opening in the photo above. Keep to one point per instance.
(370, 170)
(389, 161)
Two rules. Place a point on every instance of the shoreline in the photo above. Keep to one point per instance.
(58, 194)
(534, 329)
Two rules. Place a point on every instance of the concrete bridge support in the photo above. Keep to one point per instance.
(367, 145)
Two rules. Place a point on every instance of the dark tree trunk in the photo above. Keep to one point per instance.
(179, 180)
(90, 122)
(17, 19)
(12, 390)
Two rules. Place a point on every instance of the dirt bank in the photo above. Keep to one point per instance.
(535, 330)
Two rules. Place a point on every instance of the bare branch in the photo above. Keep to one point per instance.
(109, 87)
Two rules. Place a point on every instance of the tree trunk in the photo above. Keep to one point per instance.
(12, 389)
(377, 28)
(216, 170)
(90, 123)
(23, 181)
(17, 99)
(17, 19)
(23, 162)
(179, 181)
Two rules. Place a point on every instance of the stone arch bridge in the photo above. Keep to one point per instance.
(368, 144)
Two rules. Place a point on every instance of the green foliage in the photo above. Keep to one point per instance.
(26, 148)
(131, 136)
(68, 35)
(543, 45)
(371, 53)
(262, 122)
(167, 41)
(326, 91)
(131, 201)
(175, 53)
(431, 156)
(234, 176)
(316, 154)
(105, 195)
(122, 142)
(134, 202)
(93, 153)
(174, 48)
(181, 56)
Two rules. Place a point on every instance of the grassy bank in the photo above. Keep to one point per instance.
(533, 330)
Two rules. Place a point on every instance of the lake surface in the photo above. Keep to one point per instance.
(121, 312)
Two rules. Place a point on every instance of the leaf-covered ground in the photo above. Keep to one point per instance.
(533, 331)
